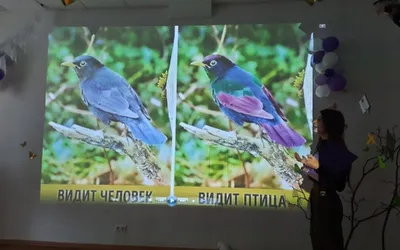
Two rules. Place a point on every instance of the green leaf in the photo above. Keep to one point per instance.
(297, 169)
(381, 162)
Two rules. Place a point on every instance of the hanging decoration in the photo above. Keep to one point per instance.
(322, 91)
(371, 139)
(324, 61)
(320, 68)
(10, 47)
(32, 155)
(68, 2)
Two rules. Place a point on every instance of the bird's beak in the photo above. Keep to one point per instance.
(198, 64)
(68, 64)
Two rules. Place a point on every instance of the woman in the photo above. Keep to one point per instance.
(332, 162)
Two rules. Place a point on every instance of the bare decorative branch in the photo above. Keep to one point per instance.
(302, 198)
(275, 155)
(369, 167)
(139, 152)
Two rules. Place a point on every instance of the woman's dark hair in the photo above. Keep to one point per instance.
(334, 125)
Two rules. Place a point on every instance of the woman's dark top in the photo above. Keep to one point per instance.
(335, 162)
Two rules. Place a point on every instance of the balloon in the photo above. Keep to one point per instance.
(330, 59)
(311, 63)
(321, 80)
(314, 45)
(318, 56)
(337, 82)
(330, 44)
(320, 68)
(329, 72)
(322, 91)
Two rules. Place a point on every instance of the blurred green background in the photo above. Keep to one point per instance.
(140, 55)
(274, 53)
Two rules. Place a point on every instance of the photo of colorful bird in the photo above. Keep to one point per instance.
(110, 98)
(244, 99)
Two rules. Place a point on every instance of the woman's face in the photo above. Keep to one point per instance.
(319, 126)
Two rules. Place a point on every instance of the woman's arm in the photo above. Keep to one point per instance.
(311, 173)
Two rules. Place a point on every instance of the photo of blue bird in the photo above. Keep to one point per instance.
(110, 98)
(243, 98)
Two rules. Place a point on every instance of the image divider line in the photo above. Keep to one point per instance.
(308, 88)
(171, 102)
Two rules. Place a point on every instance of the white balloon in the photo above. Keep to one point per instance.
(320, 68)
(330, 59)
(322, 91)
(314, 45)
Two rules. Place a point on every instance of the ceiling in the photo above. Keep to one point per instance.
(11, 5)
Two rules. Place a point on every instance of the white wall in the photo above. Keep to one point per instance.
(370, 46)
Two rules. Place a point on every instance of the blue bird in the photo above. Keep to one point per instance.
(111, 99)
(242, 98)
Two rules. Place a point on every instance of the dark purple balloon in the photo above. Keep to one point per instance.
(318, 56)
(329, 73)
(321, 80)
(312, 64)
(2, 74)
(330, 44)
(337, 82)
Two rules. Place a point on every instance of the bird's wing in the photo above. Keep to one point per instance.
(275, 103)
(254, 84)
(142, 107)
(231, 93)
(248, 105)
(128, 92)
(104, 95)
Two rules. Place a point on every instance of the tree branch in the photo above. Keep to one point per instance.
(397, 209)
(50, 97)
(192, 89)
(377, 212)
(300, 200)
(139, 152)
(275, 155)
(203, 110)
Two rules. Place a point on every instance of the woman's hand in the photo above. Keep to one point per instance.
(297, 156)
(310, 161)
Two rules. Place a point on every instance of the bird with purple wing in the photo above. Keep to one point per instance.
(243, 98)
(111, 99)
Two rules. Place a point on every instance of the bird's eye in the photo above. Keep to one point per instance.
(213, 63)
(82, 64)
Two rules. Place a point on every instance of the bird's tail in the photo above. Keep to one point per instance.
(282, 134)
(143, 130)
